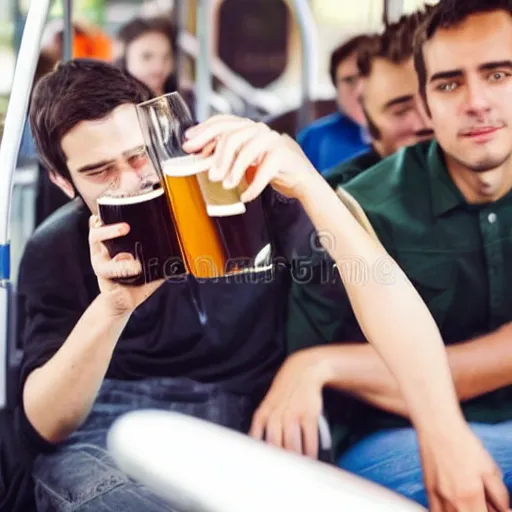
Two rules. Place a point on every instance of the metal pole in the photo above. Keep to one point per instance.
(67, 41)
(203, 62)
(180, 15)
(15, 119)
(309, 46)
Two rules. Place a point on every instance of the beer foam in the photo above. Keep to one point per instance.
(182, 166)
(225, 210)
(130, 199)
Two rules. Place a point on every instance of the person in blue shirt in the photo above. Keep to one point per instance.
(339, 136)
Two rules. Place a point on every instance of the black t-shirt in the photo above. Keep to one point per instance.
(20, 444)
(241, 346)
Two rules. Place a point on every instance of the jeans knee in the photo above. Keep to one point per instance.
(67, 480)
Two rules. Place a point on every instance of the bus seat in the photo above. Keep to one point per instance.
(287, 122)
(198, 466)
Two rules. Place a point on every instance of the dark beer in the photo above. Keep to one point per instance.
(152, 238)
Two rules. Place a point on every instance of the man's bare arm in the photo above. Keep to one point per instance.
(59, 395)
(478, 366)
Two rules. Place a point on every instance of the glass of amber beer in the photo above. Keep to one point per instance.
(151, 239)
(219, 235)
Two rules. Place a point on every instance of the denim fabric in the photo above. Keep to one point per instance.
(391, 458)
(81, 475)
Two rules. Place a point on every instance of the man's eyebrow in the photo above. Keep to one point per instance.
(443, 75)
(97, 165)
(136, 149)
(496, 64)
(397, 101)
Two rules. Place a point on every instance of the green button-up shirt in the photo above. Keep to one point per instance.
(342, 173)
(458, 256)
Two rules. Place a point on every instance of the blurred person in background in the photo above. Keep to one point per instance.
(391, 101)
(339, 136)
(89, 41)
(148, 47)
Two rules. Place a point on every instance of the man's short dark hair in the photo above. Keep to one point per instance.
(395, 44)
(80, 90)
(345, 51)
(448, 14)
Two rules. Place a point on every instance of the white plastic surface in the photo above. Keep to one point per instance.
(198, 466)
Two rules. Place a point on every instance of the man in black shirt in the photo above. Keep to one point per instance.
(78, 330)
(390, 98)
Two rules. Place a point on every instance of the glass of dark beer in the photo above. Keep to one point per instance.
(152, 238)
(219, 234)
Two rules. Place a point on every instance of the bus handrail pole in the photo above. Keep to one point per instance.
(180, 13)
(309, 48)
(67, 42)
(203, 61)
(15, 119)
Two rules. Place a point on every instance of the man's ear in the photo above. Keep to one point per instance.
(64, 184)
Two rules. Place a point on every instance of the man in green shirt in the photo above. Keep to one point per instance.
(443, 210)
(391, 100)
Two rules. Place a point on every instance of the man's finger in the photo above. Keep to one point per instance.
(496, 493)
(198, 128)
(257, 430)
(310, 437)
(292, 436)
(210, 133)
(122, 268)
(101, 234)
(265, 173)
(229, 147)
(274, 431)
(255, 149)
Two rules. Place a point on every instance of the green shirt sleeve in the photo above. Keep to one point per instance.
(319, 310)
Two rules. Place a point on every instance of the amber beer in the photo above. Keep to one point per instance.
(151, 239)
(219, 234)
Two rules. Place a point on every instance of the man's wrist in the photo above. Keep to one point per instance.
(321, 366)
(113, 306)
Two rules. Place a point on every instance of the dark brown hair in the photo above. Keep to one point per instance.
(395, 44)
(343, 52)
(448, 14)
(79, 90)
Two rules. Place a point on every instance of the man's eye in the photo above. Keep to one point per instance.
(447, 87)
(99, 172)
(498, 76)
(138, 160)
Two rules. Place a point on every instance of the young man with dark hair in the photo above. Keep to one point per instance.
(339, 136)
(95, 348)
(443, 210)
(390, 98)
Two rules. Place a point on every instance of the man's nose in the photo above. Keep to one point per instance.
(476, 100)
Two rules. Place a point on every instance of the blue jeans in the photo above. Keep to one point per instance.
(391, 458)
(81, 475)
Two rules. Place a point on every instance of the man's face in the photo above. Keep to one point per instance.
(392, 102)
(469, 91)
(349, 88)
(109, 152)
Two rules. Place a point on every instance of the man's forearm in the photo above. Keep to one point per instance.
(478, 366)
(392, 316)
(59, 395)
